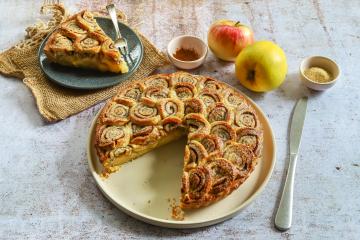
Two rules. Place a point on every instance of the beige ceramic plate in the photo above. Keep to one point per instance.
(142, 188)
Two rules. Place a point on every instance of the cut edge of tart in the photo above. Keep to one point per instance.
(80, 42)
(224, 135)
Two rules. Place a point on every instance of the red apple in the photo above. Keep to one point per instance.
(226, 38)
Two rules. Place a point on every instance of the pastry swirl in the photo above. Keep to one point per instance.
(145, 113)
(159, 80)
(222, 174)
(219, 112)
(196, 183)
(245, 117)
(209, 97)
(240, 155)
(171, 123)
(233, 99)
(224, 135)
(184, 77)
(194, 105)
(252, 138)
(156, 93)
(211, 84)
(185, 90)
(115, 113)
(195, 152)
(211, 143)
(196, 123)
(112, 136)
(223, 130)
(171, 107)
(144, 135)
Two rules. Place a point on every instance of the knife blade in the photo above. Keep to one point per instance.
(297, 124)
(283, 216)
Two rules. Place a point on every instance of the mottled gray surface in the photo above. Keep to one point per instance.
(46, 190)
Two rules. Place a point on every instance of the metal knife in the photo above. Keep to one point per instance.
(284, 213)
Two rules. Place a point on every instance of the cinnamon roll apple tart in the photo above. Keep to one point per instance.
(224, 135)
(80, 42)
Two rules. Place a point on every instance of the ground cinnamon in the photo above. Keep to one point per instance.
(186, 54)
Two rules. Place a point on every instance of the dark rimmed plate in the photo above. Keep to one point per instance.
(78, 78)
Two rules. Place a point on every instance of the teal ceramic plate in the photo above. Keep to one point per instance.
(91, 79)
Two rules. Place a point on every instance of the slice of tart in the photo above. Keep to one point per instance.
(80, 42)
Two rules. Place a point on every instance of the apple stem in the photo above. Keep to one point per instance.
(237, 24)
(251, 76)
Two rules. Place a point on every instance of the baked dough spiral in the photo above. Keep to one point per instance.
(240, 155)
(156, 93)
(222, 175)
(251, 137)
(223, 130)
(196, 123)
(113, 136)
(159, 80)
(245, 117)
(211, 143)
(145, 113)
(185, 90)
(209, 97)
(171, 107)
(219, 112)
(195, 152)
(115, 113)
(194, 105)
(196, 184)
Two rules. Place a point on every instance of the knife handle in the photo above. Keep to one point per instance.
(284, 213)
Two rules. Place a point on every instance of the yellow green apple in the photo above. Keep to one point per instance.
(261, 67)
(226, 38)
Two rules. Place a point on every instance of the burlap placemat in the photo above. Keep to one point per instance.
(55, 102)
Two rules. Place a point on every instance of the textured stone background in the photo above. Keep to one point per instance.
(46, 190)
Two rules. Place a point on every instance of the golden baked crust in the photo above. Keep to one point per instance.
(224, 133)
(80, 42)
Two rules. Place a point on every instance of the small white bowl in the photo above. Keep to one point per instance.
(322, 62)
(187, 42)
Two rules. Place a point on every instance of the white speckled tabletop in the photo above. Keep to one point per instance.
(46, 190)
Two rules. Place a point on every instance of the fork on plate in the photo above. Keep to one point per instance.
(120, 42)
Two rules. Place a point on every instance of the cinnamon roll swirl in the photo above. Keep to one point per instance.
(220, 112)
(171, 123)
(61, 43)
(196, 123)
(144, 135)
(211, 84)
(159, 80)
(209, 97)
(194, 105)
(194, 154)
(246, 117)
(145, 113)
(211, 143)
(195, 184)
(156, 93)
(131, 95)
(185, 90)
(233, 99)
(240, 155)
(184, 77)
(222, 175)
(115, 114)
(73, 30)
(251, 137)
(223, 130)
(87, 21)
(112, 136)
(171, 107)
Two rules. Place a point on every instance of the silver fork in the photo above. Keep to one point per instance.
(120, 42)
